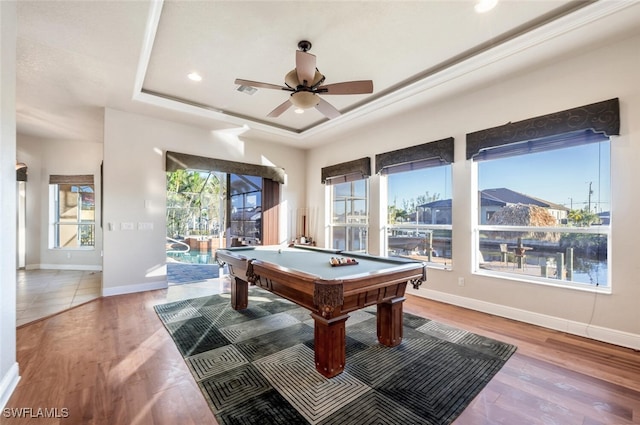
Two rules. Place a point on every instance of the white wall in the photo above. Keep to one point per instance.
(135, 189)
(606, 72)
(8, 366)
(44, 158)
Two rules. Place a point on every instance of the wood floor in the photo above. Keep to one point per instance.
(111, 362)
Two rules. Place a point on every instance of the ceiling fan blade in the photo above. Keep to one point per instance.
(349, 87)
(280, 109)
(241, 82)
(305, 67)
(327, 109)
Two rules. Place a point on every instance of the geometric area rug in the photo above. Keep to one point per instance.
(256, 366)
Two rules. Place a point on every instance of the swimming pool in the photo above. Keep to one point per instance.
(192, 257)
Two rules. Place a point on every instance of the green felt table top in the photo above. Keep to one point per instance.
(316, 261)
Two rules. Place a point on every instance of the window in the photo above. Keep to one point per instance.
(350, 215)
(73, 214)
(419, 204)
(544, 197)
(543, 209)
(419, 222)
(348, 189)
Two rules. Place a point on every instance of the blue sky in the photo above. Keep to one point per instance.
(560, 176)
(436, 180)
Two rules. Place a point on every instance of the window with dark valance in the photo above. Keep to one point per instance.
(72, 211)
(585, 124)
(347, 171)
(430, 154)
(272, 178)
(348, 186)
(419, 202)
(544, 196)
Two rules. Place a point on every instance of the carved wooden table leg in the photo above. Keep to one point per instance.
(239, 293)
(330, 344)
(390, 322)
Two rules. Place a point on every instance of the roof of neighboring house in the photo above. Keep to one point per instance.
(605, 217)
(499, 197)
(488, 200)
(511, 197)
(441, 203)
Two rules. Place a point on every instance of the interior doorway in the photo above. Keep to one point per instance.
(43, 292)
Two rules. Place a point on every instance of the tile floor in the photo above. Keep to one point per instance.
(41, 293)
(199, 289)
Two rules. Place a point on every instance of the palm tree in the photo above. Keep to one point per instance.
(583, 217)
(192, 197)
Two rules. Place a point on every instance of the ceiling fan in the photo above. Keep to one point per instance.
(305, 84)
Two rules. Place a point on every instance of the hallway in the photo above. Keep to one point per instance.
(41, 293)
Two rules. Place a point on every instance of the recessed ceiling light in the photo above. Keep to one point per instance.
(483, 6)
(194, 76)
(299, 111)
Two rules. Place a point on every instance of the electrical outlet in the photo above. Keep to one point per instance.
(461, 281)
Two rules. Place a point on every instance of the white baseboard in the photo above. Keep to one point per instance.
(87, 267)
(130, 289)
(8, 384)
(612, 336)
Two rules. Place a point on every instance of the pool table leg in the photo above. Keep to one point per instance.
(330, 344)
(239, 293)
(390, 322)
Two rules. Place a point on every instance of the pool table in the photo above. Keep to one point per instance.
(305, 276)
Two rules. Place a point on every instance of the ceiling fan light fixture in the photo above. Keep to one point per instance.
(304, 99)
(291, 79)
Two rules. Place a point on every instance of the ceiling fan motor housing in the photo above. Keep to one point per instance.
(303, 96)
(291, 80)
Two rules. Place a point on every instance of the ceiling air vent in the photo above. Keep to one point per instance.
(247, 89)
